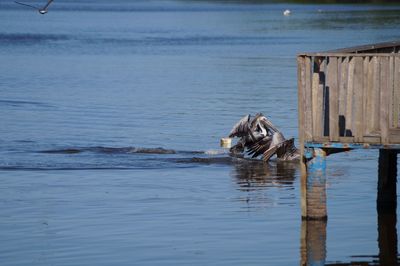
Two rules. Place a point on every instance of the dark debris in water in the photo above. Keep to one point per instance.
(62, 151)
(111, 150)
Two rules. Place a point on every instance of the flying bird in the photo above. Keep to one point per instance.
(259, 137)
(42, 10)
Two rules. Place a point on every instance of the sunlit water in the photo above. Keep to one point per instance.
(85, 87)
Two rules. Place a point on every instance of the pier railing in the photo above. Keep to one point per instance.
(350, 95)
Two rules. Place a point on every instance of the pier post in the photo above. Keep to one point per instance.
(313, 243)
(387, 172)
(313, 187)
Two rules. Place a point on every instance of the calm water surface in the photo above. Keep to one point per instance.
(87, 86)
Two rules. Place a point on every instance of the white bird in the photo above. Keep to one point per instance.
(42, 10)
(287, 12)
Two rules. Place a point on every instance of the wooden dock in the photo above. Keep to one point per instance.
(348, 99)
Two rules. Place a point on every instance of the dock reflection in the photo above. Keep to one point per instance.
(313, 244)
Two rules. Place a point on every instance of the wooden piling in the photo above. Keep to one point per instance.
(314, 184)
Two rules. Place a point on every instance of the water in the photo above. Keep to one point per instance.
(85, 87)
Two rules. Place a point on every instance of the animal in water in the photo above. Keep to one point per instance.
(287, 12)
(42, 10)
(259, 137)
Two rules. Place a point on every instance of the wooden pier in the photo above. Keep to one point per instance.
(348, 99)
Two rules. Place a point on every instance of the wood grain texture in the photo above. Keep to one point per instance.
(333, 88)
(384, 99)
(358, 95)
(317, 98)
(307, 100)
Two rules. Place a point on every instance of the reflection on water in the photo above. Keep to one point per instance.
(387, 238)
(313, 244)
(261, 182)
(252, 175)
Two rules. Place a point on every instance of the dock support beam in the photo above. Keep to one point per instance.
(387, 172)
(313, 186)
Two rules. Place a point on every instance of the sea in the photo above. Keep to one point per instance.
(111, 114)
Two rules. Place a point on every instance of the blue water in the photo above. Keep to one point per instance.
(87, 86)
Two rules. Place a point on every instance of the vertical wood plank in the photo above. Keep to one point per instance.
(301, 79)
(343, 72)
(307, 101)
(376, 92)
(317, 94)
(343, 66)
(320, 97)
(358, 93)
(332, 84)
(384, 99)
(301, 84)
(369, 111)
(396, 90)
(391, 91)
(366, 80)
(349, 97)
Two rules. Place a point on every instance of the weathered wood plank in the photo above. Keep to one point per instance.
(366, 86)
(343, 73)
(372, 139)
(325, 54)
(322, 97)
(321, 139)
(333, 88)
(317, 98)
(396, 93)
(346, 139)
(376, 90)
(384, 99)
(371, 97)
(343, 69)
(316, 109)
(349, 98)
(301, 87)
(301, 84)
(358, 95)
(307, 101)
(394, 135)
(370, 47)
(391, 91)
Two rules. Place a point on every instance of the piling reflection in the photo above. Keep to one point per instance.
(387, 238)
(313, 244)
